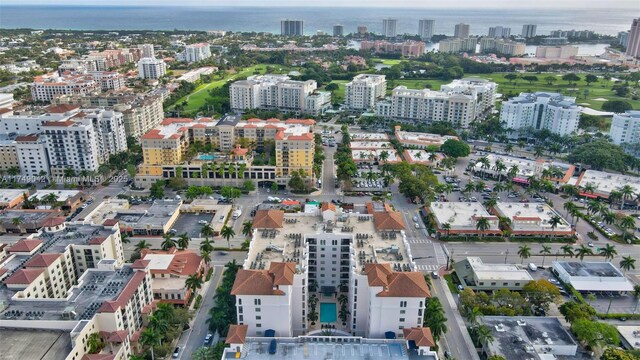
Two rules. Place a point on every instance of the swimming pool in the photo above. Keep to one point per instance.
(207, 157)
(328, 313)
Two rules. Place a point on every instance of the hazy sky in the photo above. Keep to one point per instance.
(359, 3)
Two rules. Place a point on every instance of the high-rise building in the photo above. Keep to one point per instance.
(529, 31)
(45, 88)
(291, 27)
(459, 103)
(147, 50)
(499, 32)
(502, 46)
(362, 30)
(197, 52)
(633, 46)
(552, 111)
(150, 68)
(338, 30)
(461, 31)
(409, 48)
(364, 90)
(556, 52)
(623, 38)
(425, 29)
(389, 27)
(625, 128)
(454, 45)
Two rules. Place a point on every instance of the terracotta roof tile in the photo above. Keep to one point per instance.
(268, 219)
(388, 221)
(42, 260)
(54, 221)
(236, 334)
(140, 264)
(117, 336)
(328, 206)
(62, 108)
(25, 245)
(23, 276)
(282, 272)
(97, 240)
(377, 274)
(254, 282)
(406, 284)
(125, 294)
(110, 222)
(184, 262)
(421, 336)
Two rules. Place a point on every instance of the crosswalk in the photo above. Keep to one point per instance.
(419, 241)
(441, 257)
(428, 267)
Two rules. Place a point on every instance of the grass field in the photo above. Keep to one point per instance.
(389, 62)
(198, 97)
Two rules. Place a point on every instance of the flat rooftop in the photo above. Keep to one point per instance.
(279, 245)
(532, 217)
(498, 271)
(604, 182)
(630, 335)
(525, 167)
(30, 218)
(374, 155)
(157, 215)
(61, 194)
(420, 156)
(424, 139)
(592, 276)
(371, 145)
(369, 137)
(34, 344)
(593, 269)
(73, 234)
(295, 349)
(460, 215)
(7, 195)
(522, 337)
(107, 209)
(94, 287)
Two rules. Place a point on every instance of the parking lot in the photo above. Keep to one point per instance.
(189, 223)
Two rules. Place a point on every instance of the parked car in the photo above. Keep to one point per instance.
(176, 353)
(207, 339)
(434, 274)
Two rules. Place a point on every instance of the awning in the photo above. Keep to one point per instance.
(520, 180)
(389, 335)
(590, 196)
(270, 333)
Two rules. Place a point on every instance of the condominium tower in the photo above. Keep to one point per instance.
(197, 52)
(461, 31)
(292, 27)
(338, 30)
(150, 68)
(625, 128)
(425, 29)
(389, 27)
(529, 31)
(364, 90)
(633, 42)
(552, 111)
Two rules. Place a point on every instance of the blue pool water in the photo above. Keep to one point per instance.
(328, 313)
(207, 157)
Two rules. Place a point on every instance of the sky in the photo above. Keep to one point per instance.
(514, 4)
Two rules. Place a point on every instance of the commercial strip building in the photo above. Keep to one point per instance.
(422, 157)
(533, 219)
(30, 221)
(278, 92)
(364, 90)
(459, 103)
(502, 46)
(541, 110)
(169, 270)
(165, 150)
(556, 52)
(529, 337)
(605, 182)
(478, 276)
(151, 68)
(625, 128)
(461, 219)
(420, 140)
(525, 169)
(407, 48)
(592, 276)
(72, 278)
(10, 198)
(364, 256)
(194, 75)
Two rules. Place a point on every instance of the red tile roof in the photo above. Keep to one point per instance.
(268, 219)
(25, 245)
(388, 220)
(421, 336)
(254, 282)
(42, 260)
(61, 109)
(282, 272)
(140, 264)
(125, 294)
(23, 276)
(54, 221)
(27, 138)
(153, 134)
(117, 336)
(406, 284)
(184, 262)
(110, 222)
(377, 274)
(236, 334)
(169, 121)
(97, 240)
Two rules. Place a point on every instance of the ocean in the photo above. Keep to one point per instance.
(604, 21)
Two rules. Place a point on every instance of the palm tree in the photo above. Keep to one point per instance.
(490, 203)
(627, 263)
(524, 251)
(95, 343)
(206, 257)
(568, 206)
(554, 221)
(626, 223)
(608, 251)
(614, 197)
(583, 251)
(150, 338)
(206, 231)
(482, 225)
(247, 226)
(483, 334)
(469, 188)
(608, 217)
(508, 148)
(446, 227)
(142, 244)
(183, 241)
(567, 250)
(227, 233)
(546, 250)
(206, 246)
(472, 315)
(51, 199)
(158, 323)
(193, 282)
(168, 242)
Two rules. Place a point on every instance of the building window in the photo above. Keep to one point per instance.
(402, 311)
(401, 319)
(258, 317)
(493, 284)
(257, 309)
(257, 302)
(258, 325)
(403, 304)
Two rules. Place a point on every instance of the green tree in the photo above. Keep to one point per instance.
(595, 334)
(168, 242)
(95, 343)
(524, 251)
(157, 190)
(616, 106)
(571, 78)
(546, 250)
(183, 241)
(227, 233)
(142, 244)
(573, 311)
(455, 148)
(599, 154)
(193, 282)
(567, 250)
(483, 334)
(541, 293)
(150, 338)
(248, 185)
(627, 263)
(434, 318)
(590, 78)
(608, 251)
(583, 251)
(206, 231)
(612, 353)
(295, 182)
(550, 79)
(247, 227)
(482, 225)
(511, 77)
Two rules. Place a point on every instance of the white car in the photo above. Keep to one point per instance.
(202, 222)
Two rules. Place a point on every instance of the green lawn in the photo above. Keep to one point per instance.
(198, 97)
(389, 62)
(341, 84)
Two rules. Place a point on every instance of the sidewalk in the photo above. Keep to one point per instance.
(458, 319)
